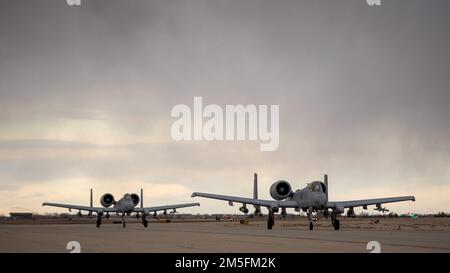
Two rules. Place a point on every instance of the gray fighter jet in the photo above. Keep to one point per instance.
(311, 199)
(124, 206)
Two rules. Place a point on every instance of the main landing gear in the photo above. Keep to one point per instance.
(99, 219)
(271, 220)
(143, 218)
(311, 225)
(334, 221)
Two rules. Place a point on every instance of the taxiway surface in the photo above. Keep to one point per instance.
(287, 236)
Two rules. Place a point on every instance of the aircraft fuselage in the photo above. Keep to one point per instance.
(125, 204)
(312, 196)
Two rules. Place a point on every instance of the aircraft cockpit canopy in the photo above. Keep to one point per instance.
(316, 186)
(127, 196)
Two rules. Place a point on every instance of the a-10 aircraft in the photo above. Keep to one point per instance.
(312, 198)
(124, 206)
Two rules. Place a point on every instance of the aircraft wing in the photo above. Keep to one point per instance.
(168, 207)
(136, 209)
(367, 202)
(76, 207)
(251, 201)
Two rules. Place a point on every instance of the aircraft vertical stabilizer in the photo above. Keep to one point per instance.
(255, 194)
(255, 186)
(90, 203)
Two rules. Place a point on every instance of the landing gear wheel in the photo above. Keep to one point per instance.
(123, 224)
(145, 222)
(99, 222)
(311, 226)
(270, 223)
(271, 220)
(336, 224)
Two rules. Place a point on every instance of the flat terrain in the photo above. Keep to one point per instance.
(394, 235)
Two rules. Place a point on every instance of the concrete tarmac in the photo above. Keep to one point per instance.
(223, 236)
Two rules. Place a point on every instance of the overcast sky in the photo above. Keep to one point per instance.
(86, 94)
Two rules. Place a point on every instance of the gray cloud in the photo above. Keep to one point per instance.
(363, 91)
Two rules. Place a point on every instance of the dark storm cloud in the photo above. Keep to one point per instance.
(363, 91)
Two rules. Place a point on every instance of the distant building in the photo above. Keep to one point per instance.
(21, 215)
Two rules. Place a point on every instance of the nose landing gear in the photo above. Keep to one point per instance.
(311, 225)
(99, 219)
(123, 220)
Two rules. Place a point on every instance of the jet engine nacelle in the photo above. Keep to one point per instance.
(135, 199)
(107, 200)
(280, 190)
